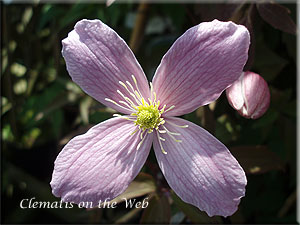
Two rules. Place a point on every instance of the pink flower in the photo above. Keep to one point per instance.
(249, 95)
(200, 65)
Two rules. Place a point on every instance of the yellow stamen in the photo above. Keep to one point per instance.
(146, 114)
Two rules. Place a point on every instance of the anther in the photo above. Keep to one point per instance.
(181, 126)
(112, 101)
(124, 117)
(171, 107)
(146, 114)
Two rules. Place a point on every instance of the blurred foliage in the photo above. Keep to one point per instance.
(42, 109)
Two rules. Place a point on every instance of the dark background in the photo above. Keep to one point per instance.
(42, 109)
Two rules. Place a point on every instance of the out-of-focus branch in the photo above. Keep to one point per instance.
(139, 27)
(7, 85)
(288, 204)
(206, 115)
(238, 13)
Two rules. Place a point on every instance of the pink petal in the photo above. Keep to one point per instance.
(254, 92)
(98, 58)
(257, 94)
(202, 63)
(234, 94)
(201, 170)
(99, 164)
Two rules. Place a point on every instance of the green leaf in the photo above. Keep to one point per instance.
(277, 16)
(158, 210)
(49, 13)
(176, 13)
(143, 184)
(40, 106)
(7, 134)
(6, 105)
(128, 216)
(193, 213)
(114, 14)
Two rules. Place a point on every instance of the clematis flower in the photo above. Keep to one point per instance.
(199, 66)
(249, 95)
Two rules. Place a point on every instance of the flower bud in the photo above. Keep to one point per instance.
(249, 95)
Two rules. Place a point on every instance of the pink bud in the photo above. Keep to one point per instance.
(249, 95)
(109, 2)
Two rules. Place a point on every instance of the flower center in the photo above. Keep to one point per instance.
(146, 115)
